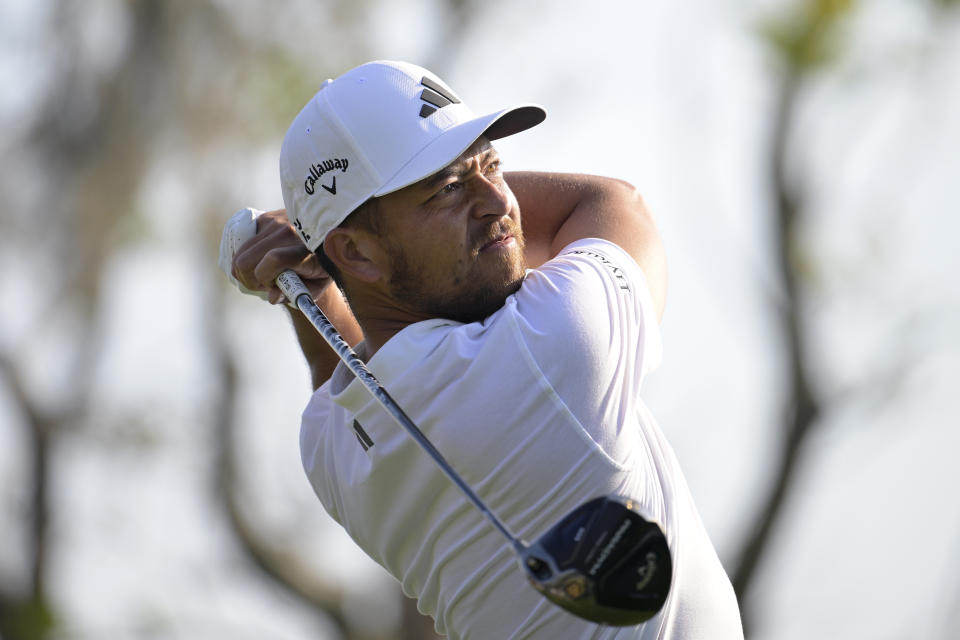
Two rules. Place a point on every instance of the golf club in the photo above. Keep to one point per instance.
(603, 562)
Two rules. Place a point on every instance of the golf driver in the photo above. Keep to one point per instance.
(602, 562)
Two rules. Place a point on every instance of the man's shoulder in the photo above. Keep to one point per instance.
(589, 276)
(609, 259)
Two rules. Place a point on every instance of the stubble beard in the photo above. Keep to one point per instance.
(472, 297)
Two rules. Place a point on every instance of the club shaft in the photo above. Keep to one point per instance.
(317, 318)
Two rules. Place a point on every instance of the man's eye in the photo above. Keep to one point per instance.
(493, 167)
(450, 188)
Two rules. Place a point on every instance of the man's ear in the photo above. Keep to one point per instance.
(355, 253)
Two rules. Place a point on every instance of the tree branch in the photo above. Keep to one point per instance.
(38, 427)
(803, 408)
(26, 615)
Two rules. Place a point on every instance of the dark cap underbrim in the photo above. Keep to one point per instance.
(515, 121)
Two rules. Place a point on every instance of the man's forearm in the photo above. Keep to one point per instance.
(321, 359)
(559, 208)
(546, 201)
(550, 201)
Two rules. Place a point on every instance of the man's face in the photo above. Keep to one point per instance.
(454, 240)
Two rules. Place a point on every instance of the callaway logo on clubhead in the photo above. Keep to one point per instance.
(604, 562)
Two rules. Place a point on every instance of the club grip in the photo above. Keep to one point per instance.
(292, 286)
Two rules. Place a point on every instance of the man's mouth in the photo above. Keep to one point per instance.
(501, 240)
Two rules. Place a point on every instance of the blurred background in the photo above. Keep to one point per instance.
(802, 158)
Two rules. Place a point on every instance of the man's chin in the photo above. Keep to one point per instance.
(477, 305)
(475, 295)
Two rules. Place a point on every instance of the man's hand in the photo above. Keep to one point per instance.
(275, 248)
(256, 247)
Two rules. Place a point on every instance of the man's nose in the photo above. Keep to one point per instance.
(488, 198)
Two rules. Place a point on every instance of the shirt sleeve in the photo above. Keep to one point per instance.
(588, 321)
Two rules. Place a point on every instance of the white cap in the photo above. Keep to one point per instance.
(376, 129)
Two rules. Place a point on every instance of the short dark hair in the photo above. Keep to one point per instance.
(365, 217)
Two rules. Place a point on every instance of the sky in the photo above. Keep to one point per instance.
(675, 98)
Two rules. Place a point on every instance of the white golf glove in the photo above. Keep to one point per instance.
(239, 228)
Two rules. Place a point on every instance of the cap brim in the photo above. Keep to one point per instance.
(447, 147)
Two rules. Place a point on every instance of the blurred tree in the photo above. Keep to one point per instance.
(175, 74)
(804, 44)
(131, 86)
(807, 39)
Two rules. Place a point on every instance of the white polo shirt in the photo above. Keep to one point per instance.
(538, 409)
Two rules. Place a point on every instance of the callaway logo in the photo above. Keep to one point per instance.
(317, 170)
(436, 96)
(646, 572)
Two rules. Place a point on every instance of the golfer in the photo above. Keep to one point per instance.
(514, 317)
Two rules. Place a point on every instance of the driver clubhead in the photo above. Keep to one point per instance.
(603, 562)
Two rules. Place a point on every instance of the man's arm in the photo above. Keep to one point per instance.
(275, 248)
(560, 208)
(321, 359)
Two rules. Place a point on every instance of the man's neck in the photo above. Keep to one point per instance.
(380, 319)
(376, 337)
